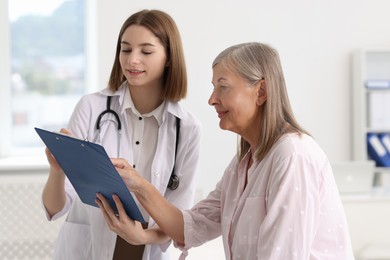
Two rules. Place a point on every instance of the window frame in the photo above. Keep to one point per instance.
(5, 80)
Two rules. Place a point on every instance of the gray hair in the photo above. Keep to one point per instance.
(253, 62)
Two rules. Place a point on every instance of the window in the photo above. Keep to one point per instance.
(46, 67)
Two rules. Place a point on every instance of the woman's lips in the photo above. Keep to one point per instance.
(221, 113)
(135, 72)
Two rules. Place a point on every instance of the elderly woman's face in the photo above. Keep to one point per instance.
(235, 100)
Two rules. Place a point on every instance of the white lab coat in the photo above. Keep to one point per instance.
(85, 234)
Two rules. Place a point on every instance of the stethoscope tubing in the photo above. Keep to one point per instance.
(174, 180)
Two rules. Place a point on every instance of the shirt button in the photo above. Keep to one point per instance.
(137, 143)
(156, 173)
(140, 118)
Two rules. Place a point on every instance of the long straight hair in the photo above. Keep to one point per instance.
(163, 27)
(254, 62)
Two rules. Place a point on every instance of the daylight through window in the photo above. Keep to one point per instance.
(47, 64)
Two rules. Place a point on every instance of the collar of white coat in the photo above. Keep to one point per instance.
(169, 108)
(129, 104)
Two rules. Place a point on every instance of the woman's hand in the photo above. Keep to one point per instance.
(50, 158)
(167, 216)
(53, 196)
(130, 176)
(130, 230)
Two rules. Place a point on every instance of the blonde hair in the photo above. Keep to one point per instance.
(254, 62)
(163, 27)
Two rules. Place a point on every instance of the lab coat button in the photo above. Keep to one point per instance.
(156, 173)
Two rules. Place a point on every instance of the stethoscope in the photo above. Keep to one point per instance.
(174, 179)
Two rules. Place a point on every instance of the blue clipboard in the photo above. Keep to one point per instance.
(90, 170)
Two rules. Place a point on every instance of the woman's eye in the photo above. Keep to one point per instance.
(125, 50)
(224, 88)
(147, 52)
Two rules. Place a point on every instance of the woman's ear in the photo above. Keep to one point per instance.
(261, 93)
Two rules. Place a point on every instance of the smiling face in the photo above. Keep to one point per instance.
(142, 57)
(237, 102)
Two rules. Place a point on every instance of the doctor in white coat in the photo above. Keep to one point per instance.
(147, 80)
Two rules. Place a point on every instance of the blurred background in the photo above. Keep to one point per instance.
(54, 51)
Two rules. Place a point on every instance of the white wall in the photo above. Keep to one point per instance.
(315, 40)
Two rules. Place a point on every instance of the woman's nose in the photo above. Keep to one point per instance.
(133, 58)
(212, 99)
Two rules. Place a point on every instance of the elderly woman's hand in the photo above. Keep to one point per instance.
(130, 176)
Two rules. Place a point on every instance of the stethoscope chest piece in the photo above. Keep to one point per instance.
(173, 182)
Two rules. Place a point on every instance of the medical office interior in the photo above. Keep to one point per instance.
(336, 59)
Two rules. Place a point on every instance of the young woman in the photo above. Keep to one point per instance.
(139, 118)
(277, 199)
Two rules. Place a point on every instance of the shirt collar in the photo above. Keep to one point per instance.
(129, 104)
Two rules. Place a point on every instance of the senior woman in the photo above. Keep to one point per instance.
(277, 198)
